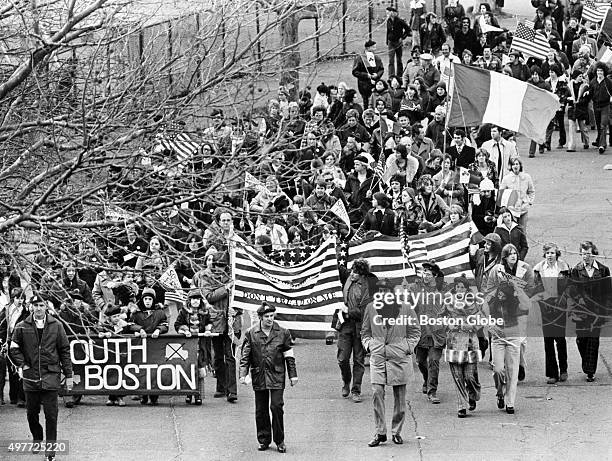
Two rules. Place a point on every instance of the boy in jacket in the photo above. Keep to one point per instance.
(150, 320)
(194, 318)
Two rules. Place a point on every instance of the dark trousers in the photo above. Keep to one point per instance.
(601, 120)
(588, 347)
(395, 53)
(15, 385)
(48, 400)
(349, 342)
(428, 359)
(265, 430)
(225, 365)
(552, 368)
(365, 91)
(559, 118)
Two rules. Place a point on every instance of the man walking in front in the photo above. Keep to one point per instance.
(397, 32)
(39, 350)
(390, 333)
(266, 354)
(358, 291)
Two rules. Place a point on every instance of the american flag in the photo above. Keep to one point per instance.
(529, 42)
(170, 282)
(305, 295)
(594, 11)
(292, 256)
(380, 166)
(181, 144)
(397, 259)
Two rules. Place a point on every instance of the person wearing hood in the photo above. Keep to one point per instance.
(462, 350)
(510, 232)
(380, 217)
(149, 320)
(193, 319)
(438, 99)
(552, 275)
(216, 286)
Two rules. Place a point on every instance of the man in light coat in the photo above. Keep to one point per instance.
(390, 332)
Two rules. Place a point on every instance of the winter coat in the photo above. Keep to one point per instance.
(387, 224)
(358, 203)
(365, 75)
(482, 268)
(191, 320)
(430, 305)
(590, 296)
(390, 346)
(263, 357)
(102, 293)
(371, 281)
(462, 344)
(516, 236)
(213, 288)
(151, 320)
(77, 284)
(42, 359)
(435, 210)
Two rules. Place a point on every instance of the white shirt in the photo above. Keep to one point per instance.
(549, 278)
(507, 150)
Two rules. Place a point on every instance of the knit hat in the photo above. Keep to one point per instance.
(148, 292)
(495, 241)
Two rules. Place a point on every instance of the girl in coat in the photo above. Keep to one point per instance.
(446, 184)
(433, 206)
(510, 232)
(412, 104)
(380, 218)
(462, 346)
(380, 92)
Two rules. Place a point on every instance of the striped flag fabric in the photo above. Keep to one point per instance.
(594, 11)
(170, 282)
(305, 295)
(393, 259)
(181, 144)
(379, 170)
(481, 96)
(506, 198)
(529, 42)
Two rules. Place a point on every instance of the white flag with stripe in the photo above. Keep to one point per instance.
(305, 295)
(339, 210)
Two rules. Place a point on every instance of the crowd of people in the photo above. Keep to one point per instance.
(394, 165)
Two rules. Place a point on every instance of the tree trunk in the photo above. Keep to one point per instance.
(290, 55)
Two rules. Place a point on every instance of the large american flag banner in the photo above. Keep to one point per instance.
(529, 42)
(181, 144)
(305, 290)
(397, 259)
(595, 11)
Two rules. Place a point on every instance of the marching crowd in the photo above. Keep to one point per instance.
(394, 165)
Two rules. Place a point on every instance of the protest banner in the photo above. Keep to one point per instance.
(132, 365)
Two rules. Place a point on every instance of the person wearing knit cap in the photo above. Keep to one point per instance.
(367, 69)
(486, 258)
(267, 355)
(150, 320)
(380, 218)
(194, 318)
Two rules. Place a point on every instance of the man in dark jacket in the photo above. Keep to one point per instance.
(465, 38)
(40, 349)
(601, 92)
(359, 186)
(397, 32)
(266, 354)
(358, 291)
(462, 154)
(367, 69)
(216, 288)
